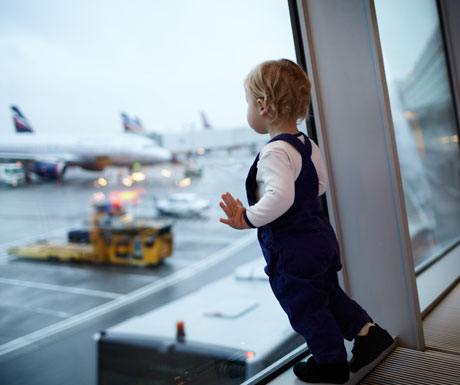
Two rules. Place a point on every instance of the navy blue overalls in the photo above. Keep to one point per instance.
(303, 258)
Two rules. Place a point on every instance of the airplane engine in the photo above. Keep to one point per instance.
(99, 164)
(49, 170)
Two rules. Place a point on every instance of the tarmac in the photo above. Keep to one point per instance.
(49, 311)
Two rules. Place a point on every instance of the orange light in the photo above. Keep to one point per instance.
(249, 355)
(132, 196)
(180, 331)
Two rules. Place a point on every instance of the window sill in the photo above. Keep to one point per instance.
(435, 282)
(280, 372)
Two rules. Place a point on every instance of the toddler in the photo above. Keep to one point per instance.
(299, 245)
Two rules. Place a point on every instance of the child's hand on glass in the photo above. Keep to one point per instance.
(234, 210)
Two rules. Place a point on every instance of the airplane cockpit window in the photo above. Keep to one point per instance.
(121, 124)
(424, 122)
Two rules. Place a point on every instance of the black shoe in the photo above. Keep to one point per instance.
(312, 372)
(367, 348)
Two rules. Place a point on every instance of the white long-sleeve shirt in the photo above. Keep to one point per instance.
(278, 167)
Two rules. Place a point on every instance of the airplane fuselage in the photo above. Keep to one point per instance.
(89, 151)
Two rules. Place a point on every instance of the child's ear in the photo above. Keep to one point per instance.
(262, 106)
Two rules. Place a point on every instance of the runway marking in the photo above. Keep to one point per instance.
(78, 268)
(124, 300)
(40, 310)
(59, 288)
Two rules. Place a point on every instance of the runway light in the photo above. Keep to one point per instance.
(200, 150)
(166, 173)
(101, 182)
(127, 181)
(138, 176)
(185, 182)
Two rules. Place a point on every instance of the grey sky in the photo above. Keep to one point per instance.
(74, 66)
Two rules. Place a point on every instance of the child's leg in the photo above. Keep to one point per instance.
(306, 303)
(350, 316)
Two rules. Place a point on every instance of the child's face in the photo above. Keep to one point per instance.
(256, 113)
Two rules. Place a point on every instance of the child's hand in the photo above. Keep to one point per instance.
(234, 210)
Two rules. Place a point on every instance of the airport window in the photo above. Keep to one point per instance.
(424, 122)
(121, 124)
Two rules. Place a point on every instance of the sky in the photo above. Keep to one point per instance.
(74, 66)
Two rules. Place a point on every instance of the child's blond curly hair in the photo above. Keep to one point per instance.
(283, 86)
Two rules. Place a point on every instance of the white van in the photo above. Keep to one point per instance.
(12, 174)
(234, 328)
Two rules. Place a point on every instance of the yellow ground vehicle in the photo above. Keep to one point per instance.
(54, 251)
(141, 242)
(113, 239)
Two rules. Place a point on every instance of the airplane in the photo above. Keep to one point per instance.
(199, 141)
(48, 156)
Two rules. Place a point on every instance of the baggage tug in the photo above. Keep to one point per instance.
(114, 238)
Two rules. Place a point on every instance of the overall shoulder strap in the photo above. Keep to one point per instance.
(303, 148)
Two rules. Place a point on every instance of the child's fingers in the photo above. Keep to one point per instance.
(226, 209)
(228, 202)
(239, 202)
(231, 201)
(226, 221)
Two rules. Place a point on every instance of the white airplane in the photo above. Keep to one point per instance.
(48, 156)
(198, 141)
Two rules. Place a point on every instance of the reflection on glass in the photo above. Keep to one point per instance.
(424, 122)
(115, 115)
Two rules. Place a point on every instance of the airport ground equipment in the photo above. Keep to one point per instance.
(79, 236)
(193, 169)
(182, 205)
(113, 239)
(55, 252)
(12, 174)
(222, 334)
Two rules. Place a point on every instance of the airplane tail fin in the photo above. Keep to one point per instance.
(205, 121)
(21, 123)
(131, 124)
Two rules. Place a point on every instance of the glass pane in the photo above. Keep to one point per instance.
(424, 121)
(121, 124)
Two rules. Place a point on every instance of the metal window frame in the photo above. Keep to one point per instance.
(447, 10)
(345, 60)
(442, 272)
